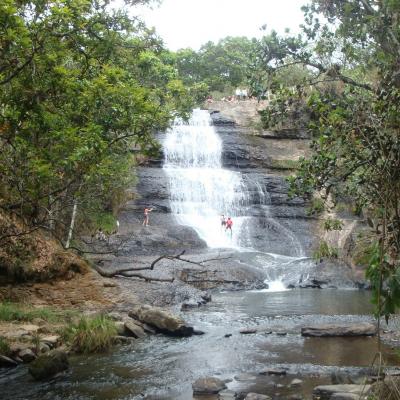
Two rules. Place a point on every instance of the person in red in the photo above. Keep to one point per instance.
(229, 224)
(146, 216)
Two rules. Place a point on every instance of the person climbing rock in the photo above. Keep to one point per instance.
(146, 216)
(229, 224)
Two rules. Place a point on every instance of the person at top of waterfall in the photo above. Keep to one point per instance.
(229, 224)
(146, 216)
(223, 221)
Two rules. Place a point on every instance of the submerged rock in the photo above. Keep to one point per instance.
(47, 365)
(361, 329)
(163, 321)
(208, 385)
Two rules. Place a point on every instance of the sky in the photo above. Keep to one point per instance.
(191, 23)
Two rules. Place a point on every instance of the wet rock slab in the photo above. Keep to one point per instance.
(208, 385)
(257, 396)
(162, 320)
(325, 392)
(331, 330)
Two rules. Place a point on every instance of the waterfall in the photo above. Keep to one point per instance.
(200, 189)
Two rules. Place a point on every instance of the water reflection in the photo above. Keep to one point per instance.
(163, 368)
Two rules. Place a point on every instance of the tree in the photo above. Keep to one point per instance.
(352, 93)
(80, 87)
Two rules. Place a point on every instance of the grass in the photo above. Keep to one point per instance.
(17, 312)
(91, 334)
(316, 207)
(285, 164)
(325, 251)
(4, 347)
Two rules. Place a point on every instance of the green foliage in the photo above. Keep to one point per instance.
(284, 164)
(220, 67)
(4, 347)
(91, 334)
(316, 207)
(331, 224)
(81, 86)
(325, 251)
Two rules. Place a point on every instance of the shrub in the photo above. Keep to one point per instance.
(325, 251)
(4, 347)
(316, 207)
(91, 334)
(333, 224)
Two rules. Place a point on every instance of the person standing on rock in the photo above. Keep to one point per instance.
(223, 221)
(146, 216)
(229, 224)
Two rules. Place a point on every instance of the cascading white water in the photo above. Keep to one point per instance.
(200, 189)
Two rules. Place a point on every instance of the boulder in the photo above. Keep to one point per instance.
(51, 340)
(361, 329)
(257, 396)
(6, 362)
(43, 347)
(26, 355)
(208, 385)
(162, 321)
(47, 365)
(325, 392)
(134, 329)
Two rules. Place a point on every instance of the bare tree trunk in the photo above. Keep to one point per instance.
(71, 227)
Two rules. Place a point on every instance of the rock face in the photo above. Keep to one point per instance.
(362, 329)
(163, 321)
(325, 392)
(208, 385)
(47, 365)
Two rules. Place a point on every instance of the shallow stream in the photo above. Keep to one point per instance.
(164, 368)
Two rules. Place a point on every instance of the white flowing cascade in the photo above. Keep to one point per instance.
(200, 189)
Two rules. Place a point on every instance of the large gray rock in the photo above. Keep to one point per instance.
(208, 385)
(47, 365)
(134, 329)
(325, 392)
(26, 355)
(257, 396)
(162, 320)
(361, 329)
